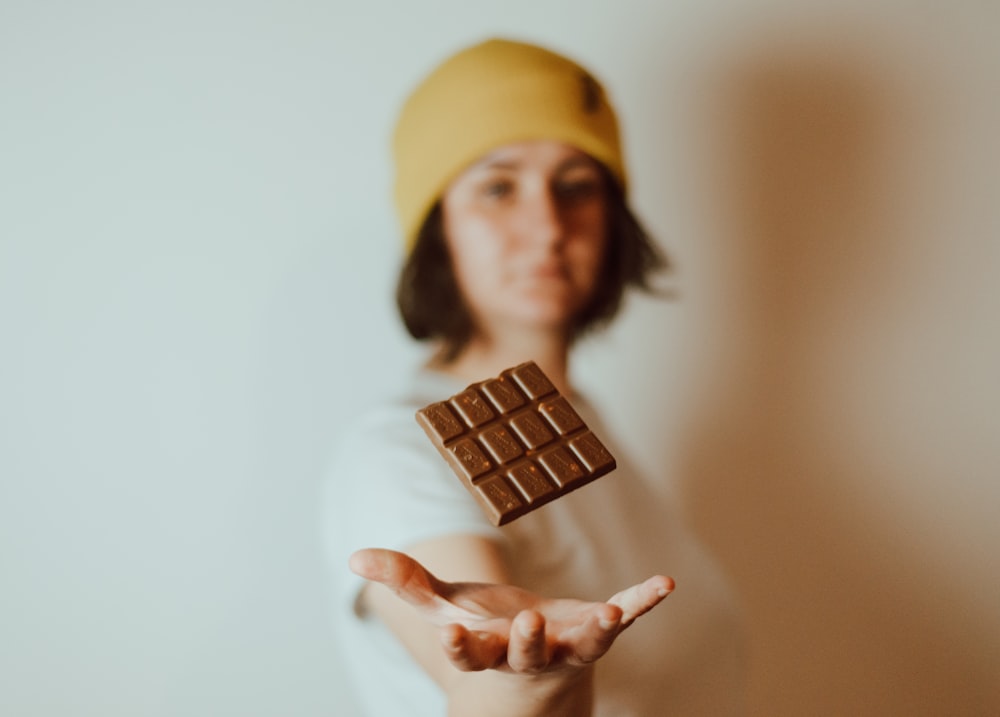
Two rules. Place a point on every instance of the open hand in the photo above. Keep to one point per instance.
(495, 626)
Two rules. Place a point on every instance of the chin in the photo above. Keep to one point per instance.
(547, 310)
(554, 317)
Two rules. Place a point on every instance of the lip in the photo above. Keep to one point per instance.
(548, 270)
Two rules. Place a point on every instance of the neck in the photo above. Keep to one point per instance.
(486, 357)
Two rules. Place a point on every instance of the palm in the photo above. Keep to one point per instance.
(485, 625)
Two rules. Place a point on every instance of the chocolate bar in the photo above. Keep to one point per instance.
(515, 442)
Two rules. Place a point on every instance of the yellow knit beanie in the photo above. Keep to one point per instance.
(494, 93)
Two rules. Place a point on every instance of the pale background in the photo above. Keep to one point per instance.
(196, 260)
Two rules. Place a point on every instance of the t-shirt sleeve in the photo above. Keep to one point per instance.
(388, 487)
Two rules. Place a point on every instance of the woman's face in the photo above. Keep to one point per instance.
(526, 227)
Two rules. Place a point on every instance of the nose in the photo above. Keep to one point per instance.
(542, 220)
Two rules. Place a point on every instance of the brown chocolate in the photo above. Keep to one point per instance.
(515, 442)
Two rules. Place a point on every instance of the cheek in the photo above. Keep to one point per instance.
(474, 247)
(588, 262)
(592, 244)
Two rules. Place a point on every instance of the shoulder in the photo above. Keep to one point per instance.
(387, 429)
(384, 471)
(387, 486)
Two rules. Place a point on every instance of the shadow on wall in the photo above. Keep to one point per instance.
(800, 470)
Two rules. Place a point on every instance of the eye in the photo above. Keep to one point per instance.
(578, 189)
(498, 188)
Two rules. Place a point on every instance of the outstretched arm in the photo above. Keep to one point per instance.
(493, 647)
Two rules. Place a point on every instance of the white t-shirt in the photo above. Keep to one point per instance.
(388, 487)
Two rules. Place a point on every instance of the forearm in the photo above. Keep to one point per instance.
(495, 694)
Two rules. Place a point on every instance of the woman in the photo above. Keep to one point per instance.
(510, 189)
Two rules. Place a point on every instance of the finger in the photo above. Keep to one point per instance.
(401, 573)
(528, 650)
(640, 599)
(594, 637)
(472, 651)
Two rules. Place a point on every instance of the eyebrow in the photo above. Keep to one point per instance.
(579, 160)
(498, 163)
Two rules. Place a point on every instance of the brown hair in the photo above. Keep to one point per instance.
(432, 306)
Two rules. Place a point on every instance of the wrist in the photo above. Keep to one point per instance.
(567, 692)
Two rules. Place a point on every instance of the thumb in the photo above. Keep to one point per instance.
(399, 572)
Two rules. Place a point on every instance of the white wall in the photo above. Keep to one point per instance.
(196, 258)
